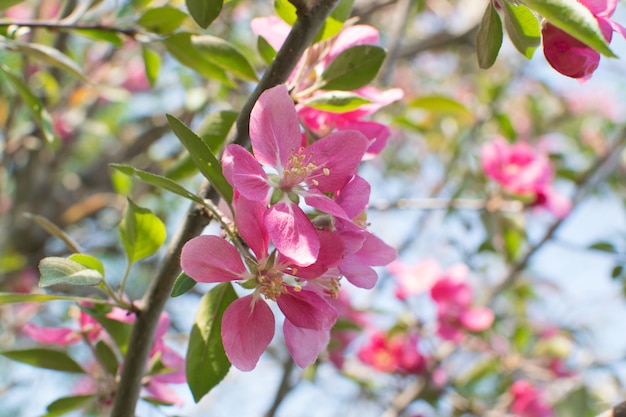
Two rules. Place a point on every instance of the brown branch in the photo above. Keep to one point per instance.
(284, 387)
(153, 302)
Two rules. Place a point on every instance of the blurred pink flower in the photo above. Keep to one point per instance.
(455, 314)
(414, 279)
(571, 57)
(397, 353)
(528, 402)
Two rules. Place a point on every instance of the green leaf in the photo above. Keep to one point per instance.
(37, 110)
(489, 37)
(206, 362)
(65, 405)
(353, 68)
(442, 105)
(88, 261)
(204, 159)
(5, 4)
(118, 330)
(604, 247)
(224, 55)
(523, 28)
(286, 11)
(162, 20)
(101, 35)
(336, 101)
(334, 23)
(55, 271)
(267, 52)
(141, 231)
(45, 358)
(215, 128)
(107, 358)
(180, 47)
(49, 55)
(152, 64)
(182, 285)
(204, 11)
(12, 298)
(575, 19)
(617, 271)
(157, 181)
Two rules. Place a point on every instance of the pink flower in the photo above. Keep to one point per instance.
(414, 279)
(248, 323)
(309, 173)
(62, 336)
(571, 57)
(349, 326)
(527, 401)
(455, 314)
(523, 171)
(302, 83)
(396, 353)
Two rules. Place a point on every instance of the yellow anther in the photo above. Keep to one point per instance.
(326, 171)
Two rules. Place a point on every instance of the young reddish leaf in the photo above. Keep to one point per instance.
(206, 361)
(523, 28)
(204, 11)
(353, 68)
(489, 38)
(45, 358)
(574, 18)
(55, 271)
(142, 232)
(204, 159)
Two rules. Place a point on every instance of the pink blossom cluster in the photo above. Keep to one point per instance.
(528, 401)
(304, 83)
(91, 332)
(571, 57)
(393, 353)
(451, 293)
(300, 210)
(525, 172)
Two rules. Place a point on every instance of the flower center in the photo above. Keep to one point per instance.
(297, 170)
(270, 284)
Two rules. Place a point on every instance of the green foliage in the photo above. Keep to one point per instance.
(119, 331)
(225, 56)
(204, 159)
(489, 38)
(575, 19)
(206, 361)
(162, 20)
(336, 101)
(152, 64)
(45, 358)
(107, 358)
(182, 285)
(523, 28)
(141, 231)
(286, 11)
(58, 271)
(353, 68)
(267, 52)
(204, 11)
(12, 298)
(65, 405)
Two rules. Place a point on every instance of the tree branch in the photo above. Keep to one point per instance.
(153, 302)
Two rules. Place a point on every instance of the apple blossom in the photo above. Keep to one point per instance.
(527, 401)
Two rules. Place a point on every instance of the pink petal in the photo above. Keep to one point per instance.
(51, 335)
(568, 55)
(338, 156)
(323, 203)
(292, 232)
(249, 222)
(352, 36)
(274, 127)
(354, 196)
(172, 360)
(377, 133)
(161, 392)
(451, 333)
(272, 28)
(304, 345)
(247, 330)
(212, 259)
(477, 319)
(330, 254)
(375, 252)
(307, 309)
(358, 273)
(244, 173)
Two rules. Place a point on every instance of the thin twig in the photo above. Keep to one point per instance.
(284, 388)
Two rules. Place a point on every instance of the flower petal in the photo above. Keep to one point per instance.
(323, 203)
(247, 330)
(307, 309)
(249, 222)
(245, 173)
(274, 127)
(477, 319)
(304, 345)
(354, 196)
(293, 233)
(212, 259)
(272, 28)
(51, 335)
